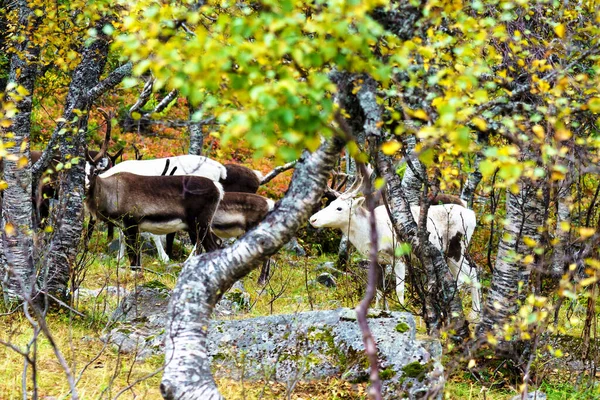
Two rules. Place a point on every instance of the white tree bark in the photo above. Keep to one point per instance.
(564, 201)
(524, 217)
(68, 213)
(412, 181)
(206, 277)
(18, 269)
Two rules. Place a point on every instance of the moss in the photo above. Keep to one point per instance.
(416, 370)
(402, 327)
(387, 373)
(155, 285)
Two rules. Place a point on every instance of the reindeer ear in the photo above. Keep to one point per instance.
(358, 202)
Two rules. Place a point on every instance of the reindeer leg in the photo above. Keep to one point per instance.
(265, 271)
(90, 230)
(170, 241)
(110, 231)
(162, 256)
(132, 235)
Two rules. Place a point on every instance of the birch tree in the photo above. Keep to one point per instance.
(18, 272)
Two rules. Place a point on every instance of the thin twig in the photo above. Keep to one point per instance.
(363, 306)
(276, 171)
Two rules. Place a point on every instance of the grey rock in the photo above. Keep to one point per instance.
(315, 345)
(536, 395)
(108, 290)
(294, 247)
(327, 279)
(147, 305)
(291, 348)
(329, 267)
(235, 301)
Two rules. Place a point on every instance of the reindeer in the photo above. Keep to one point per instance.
(450, 228)
(157, 204)
(47, 191)
(241, 179)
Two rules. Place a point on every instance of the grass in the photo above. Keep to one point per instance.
(104, 373)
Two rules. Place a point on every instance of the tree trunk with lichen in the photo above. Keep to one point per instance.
(412, 181)
(524, 218)
(18, 270)
(68, 213)
(564, 201)
(206, 277)
(196, 134)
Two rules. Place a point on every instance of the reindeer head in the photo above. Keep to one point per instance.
(340, 211)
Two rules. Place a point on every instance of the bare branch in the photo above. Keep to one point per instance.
(276, 171)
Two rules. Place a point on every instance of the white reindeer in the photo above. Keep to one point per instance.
(450, 228)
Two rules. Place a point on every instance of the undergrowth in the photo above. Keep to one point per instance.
(103, 372)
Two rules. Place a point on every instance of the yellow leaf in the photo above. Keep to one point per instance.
(480, 123)
(588, 281)
(471, 364)
(491, 339)
(539, 131)
(9, 229)
(529, 241)
(560, 30)
(22, 163)
(420, 114)
(594, 104)
(562, 134)
(3, 185)
(528, 259)
(586, 232)
(391, 147)
(5, 123)
(22, 91)
(565, 226)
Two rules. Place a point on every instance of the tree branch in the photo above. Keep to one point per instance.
(276, 171)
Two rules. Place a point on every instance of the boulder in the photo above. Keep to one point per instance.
(294, 247)
(329, 267)
(297, 347)
(537, 395)
(326, 279)
(321, 344)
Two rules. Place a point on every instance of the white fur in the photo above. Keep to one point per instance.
(162, 228)
(443, 223)
(186, 165)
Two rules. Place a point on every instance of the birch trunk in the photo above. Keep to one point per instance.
(206, 277)
(524, 217)
(473, 180)
(196, 134)
(564, 201)
(443, 306)
(68, 215)
(18, 270)
(412, 181)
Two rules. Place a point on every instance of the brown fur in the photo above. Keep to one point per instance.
(49, 190)
(130, 200)
(249, 209)
(443, 198)
(240, 179)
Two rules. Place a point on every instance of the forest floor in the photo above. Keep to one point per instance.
(102, 372)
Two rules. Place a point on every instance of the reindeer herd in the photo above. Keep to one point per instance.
(212, 201)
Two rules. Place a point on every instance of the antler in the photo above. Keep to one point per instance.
(354, 188)
(138, 155)
(104, 147)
